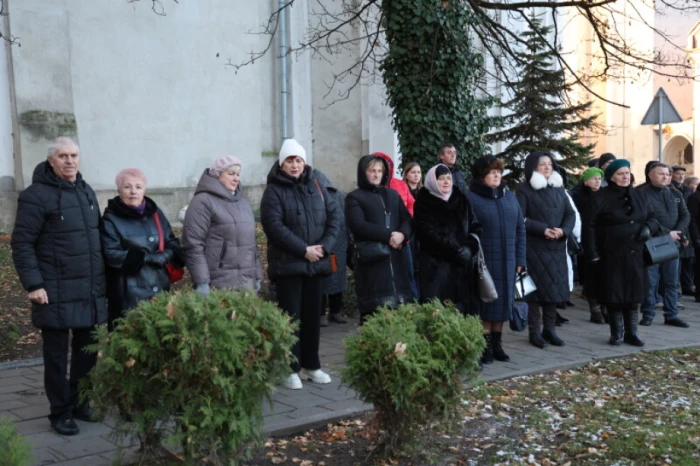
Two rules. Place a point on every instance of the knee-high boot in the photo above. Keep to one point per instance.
(631, 316)
(549, 334)
(616, 328)
(487, 355)
(596, 313)
(534, 324)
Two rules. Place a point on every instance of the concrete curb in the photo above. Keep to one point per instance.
(22, 363)
(312, 422)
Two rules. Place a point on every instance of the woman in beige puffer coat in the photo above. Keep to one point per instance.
(219, 237)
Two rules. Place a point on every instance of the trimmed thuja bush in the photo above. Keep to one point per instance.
(14, 449)
(191, 370)
(410, 363)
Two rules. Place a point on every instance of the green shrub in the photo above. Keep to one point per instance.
(190, 370)
(14, 449)
(410, 363)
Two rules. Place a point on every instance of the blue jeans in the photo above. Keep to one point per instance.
(665, 273)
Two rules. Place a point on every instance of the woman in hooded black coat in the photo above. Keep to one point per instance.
(374, 213)
(617, 223)
(443, 224)
(549, 221)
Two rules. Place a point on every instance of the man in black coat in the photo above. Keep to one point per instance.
(57, 254)
(674, 218)
(448, 156)
(687, 255)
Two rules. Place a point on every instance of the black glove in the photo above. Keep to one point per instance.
(644, 234)
(156, 259)
(464, 255)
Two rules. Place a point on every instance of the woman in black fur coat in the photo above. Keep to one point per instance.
(443, 223)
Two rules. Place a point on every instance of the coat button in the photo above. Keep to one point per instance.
(631, 222)
(151, 239)
(155, 289)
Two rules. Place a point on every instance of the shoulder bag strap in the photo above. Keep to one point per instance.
(161, 242)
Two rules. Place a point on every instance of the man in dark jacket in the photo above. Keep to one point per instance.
(673, 217)
(57, 254)
(687, 255)
(694, 210)
(448, 156)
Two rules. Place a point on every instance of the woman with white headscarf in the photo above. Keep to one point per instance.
(218, 236)
(444, 222)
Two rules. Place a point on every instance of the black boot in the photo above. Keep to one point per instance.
(616, 328)
(487, 355)
(497, 349)
(534, 324)
(596, 312)
(631, 336)
(561, 320)
(550, 326)
(604, 311)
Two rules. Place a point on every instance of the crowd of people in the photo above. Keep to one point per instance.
(411, 240)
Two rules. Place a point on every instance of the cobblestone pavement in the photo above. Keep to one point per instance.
(22, 398)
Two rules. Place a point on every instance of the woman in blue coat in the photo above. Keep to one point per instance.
(503, 243)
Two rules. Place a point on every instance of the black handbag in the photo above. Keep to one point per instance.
(369, 252)
(573, 247)
(518, 317)
(660, 249)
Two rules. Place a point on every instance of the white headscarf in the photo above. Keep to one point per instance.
(431, 183)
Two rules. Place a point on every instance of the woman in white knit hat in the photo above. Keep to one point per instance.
(301, 222)
(218, 236)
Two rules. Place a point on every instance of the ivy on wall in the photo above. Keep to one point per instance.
(431, 73)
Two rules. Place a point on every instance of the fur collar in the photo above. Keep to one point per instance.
(538, 181)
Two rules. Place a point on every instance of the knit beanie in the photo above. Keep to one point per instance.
(291, 148)
(222, 163)
(589, 173)
(614, 166)
(605, 158)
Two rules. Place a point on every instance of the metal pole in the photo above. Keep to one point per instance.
(661, 119)
(284, 92)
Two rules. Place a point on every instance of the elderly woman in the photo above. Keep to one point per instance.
(301, 224)
(219, 239)
(582, 194)
(444, 222)
(378, 221)
(617, 223)
(131, 233)
(549, 221)
(503, 243)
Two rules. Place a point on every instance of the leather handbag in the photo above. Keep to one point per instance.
(175, 273)
(660, 249)
(524, 285)
(518, 317)
(487, 288)
(370, 252)
(573, 247)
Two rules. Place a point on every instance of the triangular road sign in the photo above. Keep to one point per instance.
(667, 113)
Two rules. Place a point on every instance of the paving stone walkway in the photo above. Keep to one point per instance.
(22, 398)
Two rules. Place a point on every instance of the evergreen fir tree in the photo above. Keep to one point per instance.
(542, 119)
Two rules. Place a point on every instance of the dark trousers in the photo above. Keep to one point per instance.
(687, 265)
(62, 393)
(301, 298)
(334, 303)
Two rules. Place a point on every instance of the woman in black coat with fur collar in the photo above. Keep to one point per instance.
(444, 222)
(549, 221)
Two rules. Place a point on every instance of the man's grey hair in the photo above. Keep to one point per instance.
(61, 141)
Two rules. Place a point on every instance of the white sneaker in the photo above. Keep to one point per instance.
(317, 376)
(293, 382)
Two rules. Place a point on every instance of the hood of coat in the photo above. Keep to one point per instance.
(323, 179)
(362, 182)
(389, 160)
(277, 176)
(209, 184)
(118, 208)
(44, 174)
(537, 180)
